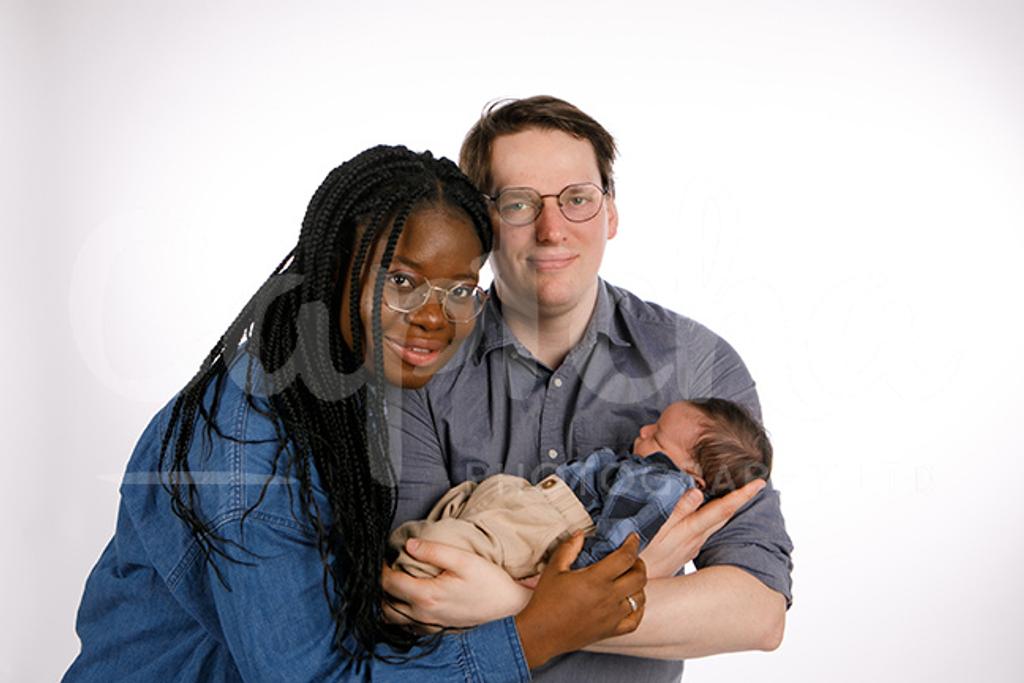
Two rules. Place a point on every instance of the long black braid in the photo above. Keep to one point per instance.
(328, 411)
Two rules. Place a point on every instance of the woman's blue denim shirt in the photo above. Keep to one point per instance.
(153, 610)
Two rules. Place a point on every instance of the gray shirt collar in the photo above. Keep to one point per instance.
(493, 332)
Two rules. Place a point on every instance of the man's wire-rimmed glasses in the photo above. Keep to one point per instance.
(578, 202)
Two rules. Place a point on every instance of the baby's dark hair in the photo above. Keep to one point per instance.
(733, 450)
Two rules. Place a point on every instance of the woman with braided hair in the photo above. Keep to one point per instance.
(256, 507)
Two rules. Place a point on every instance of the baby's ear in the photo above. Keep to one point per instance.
(701, 484)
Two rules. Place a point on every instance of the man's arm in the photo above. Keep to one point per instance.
(712, 611)
(737, 599)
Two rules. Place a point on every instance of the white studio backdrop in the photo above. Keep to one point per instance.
(835, 187)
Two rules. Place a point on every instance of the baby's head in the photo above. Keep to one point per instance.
(714, 440)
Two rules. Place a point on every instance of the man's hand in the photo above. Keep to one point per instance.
(468, 592)
(687, 528)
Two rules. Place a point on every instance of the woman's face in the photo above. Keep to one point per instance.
(438, 244)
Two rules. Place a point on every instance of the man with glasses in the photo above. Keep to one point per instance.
(561, 363)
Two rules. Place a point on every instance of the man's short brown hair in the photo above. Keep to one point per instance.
(504, 117)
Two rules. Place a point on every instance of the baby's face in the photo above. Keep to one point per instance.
(674, 434)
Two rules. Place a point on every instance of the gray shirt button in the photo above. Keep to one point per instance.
(552, 453)
(558, 381)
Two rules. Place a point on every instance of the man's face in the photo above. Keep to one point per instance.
(549, 267)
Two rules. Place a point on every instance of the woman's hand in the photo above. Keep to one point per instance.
(571, 609)
(468, 592)
(687, 528)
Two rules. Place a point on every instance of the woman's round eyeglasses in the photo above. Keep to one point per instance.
(405, 293)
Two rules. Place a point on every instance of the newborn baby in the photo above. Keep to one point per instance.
(712, 444)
